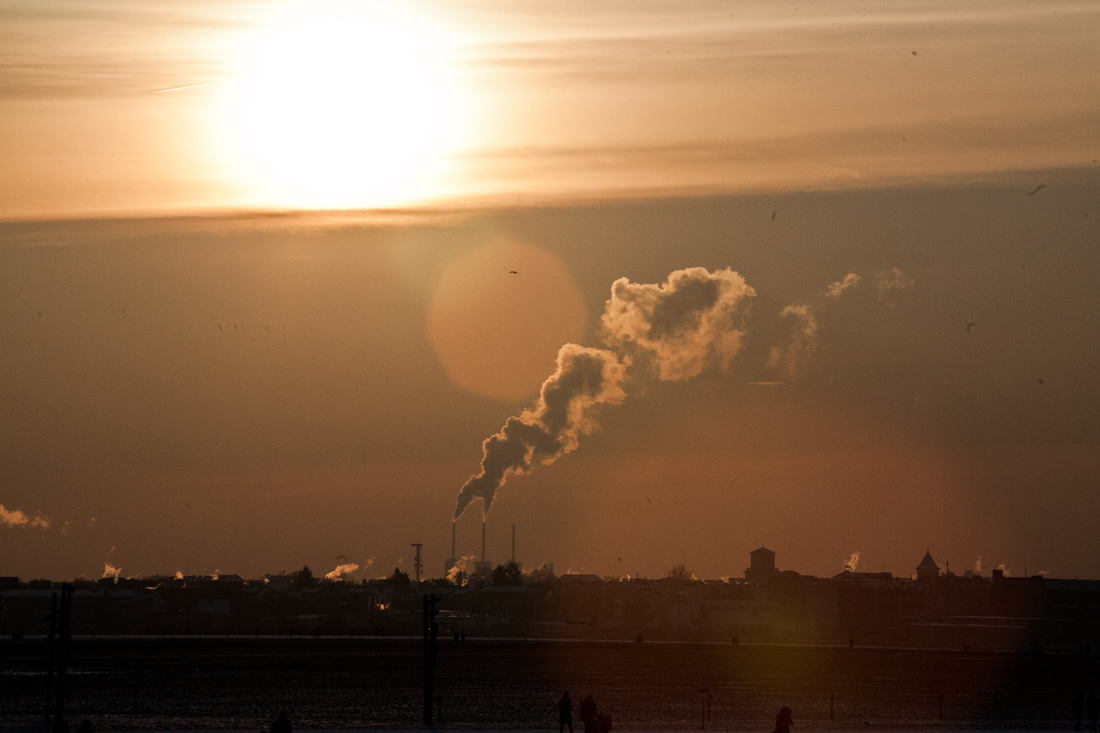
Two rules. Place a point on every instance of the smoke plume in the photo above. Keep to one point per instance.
(110, 571)
(684, 325)
(794, 358)
(978, 566)
(848, 281)
(342, 572)
(458, 570)
(585, 380)
(675, 330)
(18, 518)
(179, 575)
(680, 327)
(853, 562)
(889, 280)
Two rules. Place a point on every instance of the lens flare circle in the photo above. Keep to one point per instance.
(498, 316)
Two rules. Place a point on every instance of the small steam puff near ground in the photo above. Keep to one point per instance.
(673, 331)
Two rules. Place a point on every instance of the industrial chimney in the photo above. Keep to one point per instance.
(450, 561)
(483, 567)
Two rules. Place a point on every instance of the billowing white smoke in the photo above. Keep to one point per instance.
(343, 572)
(18, 518)
(458, 570)
(179, 575)
(110, 571)
(679, 328)
(585, 380)
(1003, 569)
(978, 566)
(690, 322)
(674, 330)
(853, 562)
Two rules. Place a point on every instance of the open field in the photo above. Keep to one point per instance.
(340, 684)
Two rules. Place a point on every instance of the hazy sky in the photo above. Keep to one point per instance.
(197, 375)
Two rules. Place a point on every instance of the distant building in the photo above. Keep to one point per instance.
(761, 565)
(928, 570)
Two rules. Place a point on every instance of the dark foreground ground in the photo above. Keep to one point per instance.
(180, 684)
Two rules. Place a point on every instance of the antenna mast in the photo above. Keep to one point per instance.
(417, 565)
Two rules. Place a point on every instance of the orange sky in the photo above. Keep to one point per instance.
(201, 378)
(128, 107)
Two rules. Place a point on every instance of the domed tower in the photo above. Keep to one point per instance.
(761, 565)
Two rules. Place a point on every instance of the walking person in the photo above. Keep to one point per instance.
(588, 713)
(783, 722)
(281, 724)
(565, 713)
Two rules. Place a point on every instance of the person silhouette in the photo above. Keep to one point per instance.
(783, 722)
(588, 713)
(565, 713)
(281, 724)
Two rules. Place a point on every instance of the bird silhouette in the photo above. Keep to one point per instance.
(513, 272)
(970, 326)
(1037, 189)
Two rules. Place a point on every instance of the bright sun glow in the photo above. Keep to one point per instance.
(340, 105)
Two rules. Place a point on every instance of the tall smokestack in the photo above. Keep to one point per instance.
(483, 540)
(452, 538)
(513, 544)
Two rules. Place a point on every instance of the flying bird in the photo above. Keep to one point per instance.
(513, 272)
(970, 326)
(1037, 189)
(776, 211)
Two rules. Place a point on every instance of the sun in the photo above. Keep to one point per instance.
(339, 104)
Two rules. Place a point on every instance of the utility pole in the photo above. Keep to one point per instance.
(431, 649)
(66, 641)
(49, 664)
(417, 565)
